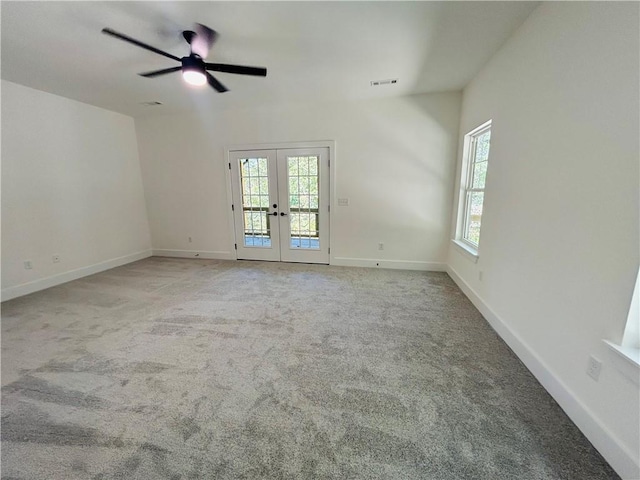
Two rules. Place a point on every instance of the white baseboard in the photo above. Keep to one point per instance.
(194, 254)
(392, 264)
(52, 281)
(619, 457)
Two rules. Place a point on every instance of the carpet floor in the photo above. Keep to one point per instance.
(204, 369)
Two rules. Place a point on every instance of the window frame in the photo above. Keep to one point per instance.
(466, 186)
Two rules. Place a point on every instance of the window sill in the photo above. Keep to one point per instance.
(468, 251)
(626, 360)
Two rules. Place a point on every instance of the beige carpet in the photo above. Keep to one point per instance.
(198, 369)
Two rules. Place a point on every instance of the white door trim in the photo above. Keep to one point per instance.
(330, 144)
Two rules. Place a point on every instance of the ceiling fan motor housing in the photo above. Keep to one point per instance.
(193, 62)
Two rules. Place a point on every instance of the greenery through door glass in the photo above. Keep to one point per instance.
(303, 197)
(255, 200)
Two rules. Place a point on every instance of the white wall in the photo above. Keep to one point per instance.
(560, 245)
(71, 186)
(395, 162)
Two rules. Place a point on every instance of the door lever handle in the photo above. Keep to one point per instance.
(282, 214)
(275, 214)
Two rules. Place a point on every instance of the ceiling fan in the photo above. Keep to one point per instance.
(195, 71)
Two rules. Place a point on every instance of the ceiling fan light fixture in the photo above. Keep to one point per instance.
(193, 71)
(194, 77)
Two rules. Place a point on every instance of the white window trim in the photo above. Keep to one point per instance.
(626, 360)
(468, 156)
(631, 336)
(627, 353)
(467, 250)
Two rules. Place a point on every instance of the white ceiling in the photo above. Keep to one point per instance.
(314, 51)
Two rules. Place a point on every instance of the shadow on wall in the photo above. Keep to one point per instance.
(413, 165)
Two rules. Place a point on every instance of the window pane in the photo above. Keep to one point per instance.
(479, 175)
(253, 167)
(254, 186)
(264, 186)
(482, 146)
(262, 166)
(304, 224)
(474, 217)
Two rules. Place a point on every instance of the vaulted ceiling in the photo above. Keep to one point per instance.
(314, 51)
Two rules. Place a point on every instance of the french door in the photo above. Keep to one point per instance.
(281, 204)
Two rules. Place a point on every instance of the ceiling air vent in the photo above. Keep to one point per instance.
(150, 104)
(390, 81)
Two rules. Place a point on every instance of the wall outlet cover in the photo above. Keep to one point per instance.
(593, 367)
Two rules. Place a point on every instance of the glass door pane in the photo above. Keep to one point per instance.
(255, 202)
(302, 172)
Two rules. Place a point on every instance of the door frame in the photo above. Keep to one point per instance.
(329, 144)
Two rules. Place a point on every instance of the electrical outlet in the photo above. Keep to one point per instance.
(189, 239)
(28, 265)
(380, 246)
(593, 367)
(56, 258)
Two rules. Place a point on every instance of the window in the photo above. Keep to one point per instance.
(474, 172)
(631, 336)
(627, 358)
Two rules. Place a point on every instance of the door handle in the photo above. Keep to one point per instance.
(282, 214)
(275, 214)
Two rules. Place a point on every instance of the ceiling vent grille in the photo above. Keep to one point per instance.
(390, 81)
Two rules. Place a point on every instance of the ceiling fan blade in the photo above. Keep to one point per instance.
(126, 38)
(239, 69)
(156, 73)
(203, 40)
(215, 83)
